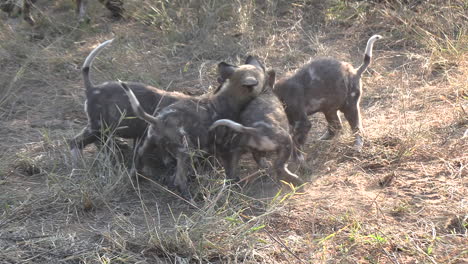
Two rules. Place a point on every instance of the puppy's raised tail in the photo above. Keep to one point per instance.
(89, 62)
(235, 126)
(136, 107)
(368, 54)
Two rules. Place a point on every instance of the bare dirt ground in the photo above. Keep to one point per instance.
(403, 199)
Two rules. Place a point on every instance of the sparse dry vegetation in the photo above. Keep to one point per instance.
(403, 199)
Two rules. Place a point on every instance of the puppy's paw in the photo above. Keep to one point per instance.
(358, 144)
(327, 136)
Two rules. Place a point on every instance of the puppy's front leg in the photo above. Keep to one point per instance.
(230, 159)
(180, 179)
(141, 149)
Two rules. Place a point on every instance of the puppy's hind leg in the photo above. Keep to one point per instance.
(84, 138)
(281, 167)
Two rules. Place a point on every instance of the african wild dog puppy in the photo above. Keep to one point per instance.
(262, 128)
(114, 6)
(324, 85)
(13, 7)
(184, 126)
(106, 104)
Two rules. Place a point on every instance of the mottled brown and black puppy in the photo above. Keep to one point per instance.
(325, 85)
(114, 6)
(13, 7)
(184, 126)
(262, 128)
(16, 7)
(109, 111)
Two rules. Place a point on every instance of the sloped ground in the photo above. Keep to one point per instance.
(401, 200)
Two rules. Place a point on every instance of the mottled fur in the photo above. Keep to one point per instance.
(324, 85)
(184, 126)
(262, 129)
(107, 104)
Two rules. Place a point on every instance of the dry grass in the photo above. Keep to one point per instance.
(402, 200)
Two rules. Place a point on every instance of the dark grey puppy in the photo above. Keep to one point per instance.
(16, 7)
(114, 6)
(109, 110)
(263, 128)
(184, 126)
(325, 85)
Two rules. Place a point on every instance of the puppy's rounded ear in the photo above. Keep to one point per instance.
(225, 71)
(271, 78)
(251, 60)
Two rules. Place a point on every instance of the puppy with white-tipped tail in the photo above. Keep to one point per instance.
(262, 129)
(107, 108)
(327, 86)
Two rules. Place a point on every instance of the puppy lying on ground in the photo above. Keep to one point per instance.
(325, 85)
(109, 110)
(263, 128)
(184, 126)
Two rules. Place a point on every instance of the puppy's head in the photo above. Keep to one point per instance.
(242, 81)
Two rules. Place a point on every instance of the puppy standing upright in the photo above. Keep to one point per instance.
(263, 129)
(325, 85)
(107, 103)
(184, 126)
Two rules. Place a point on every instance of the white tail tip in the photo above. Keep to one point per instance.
(95, 52)
(370, 44)
(226, 122)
